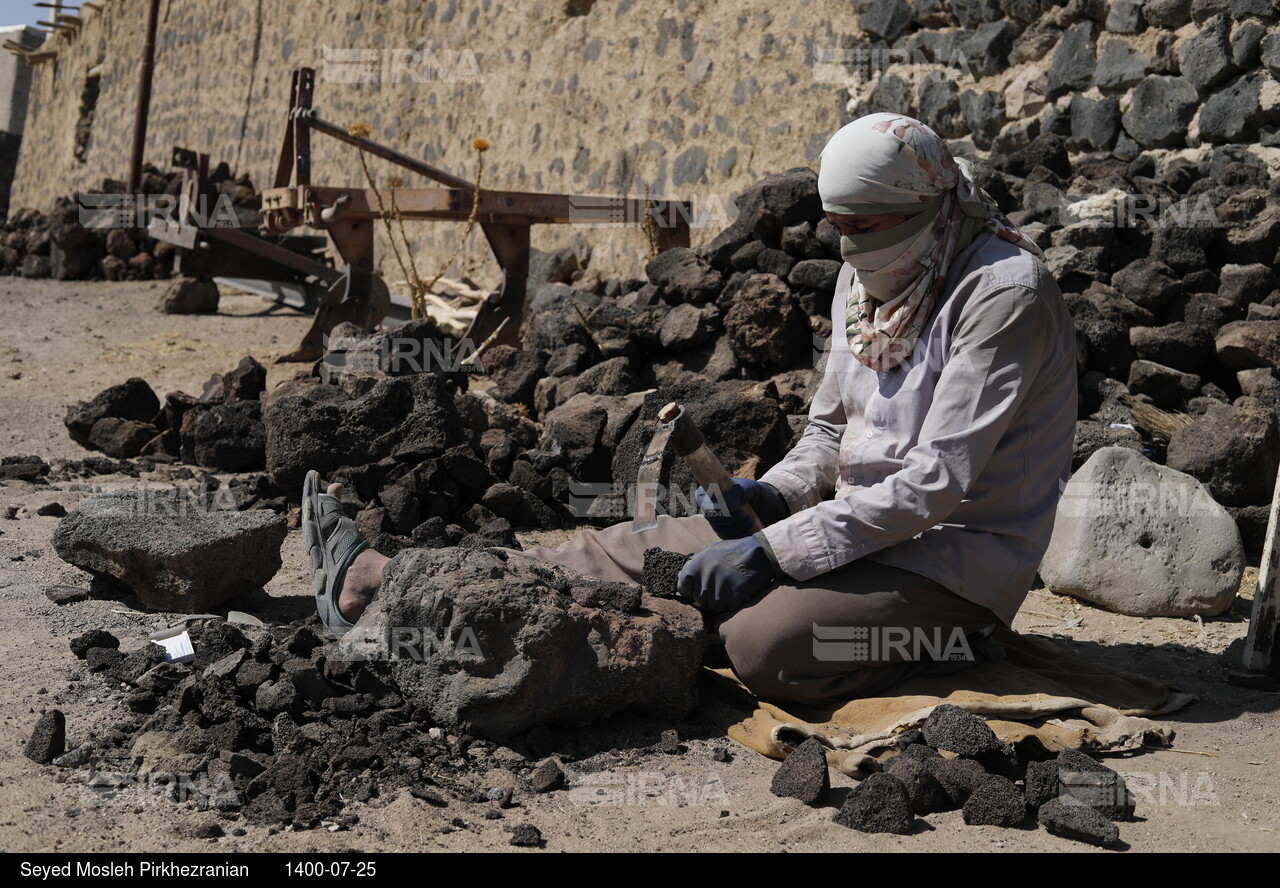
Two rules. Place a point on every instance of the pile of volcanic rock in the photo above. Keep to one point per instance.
(955, 761)
(262, 725)
(221, 429)
(283, 724)
(1176, 348)
(56, 245)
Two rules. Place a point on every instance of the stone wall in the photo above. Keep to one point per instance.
(682, 99)
(678, 99)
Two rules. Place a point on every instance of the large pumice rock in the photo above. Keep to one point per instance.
(174, 553)
(1142, 539)
(504, 643)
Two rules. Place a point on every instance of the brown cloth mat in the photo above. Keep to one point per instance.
(1075, 704)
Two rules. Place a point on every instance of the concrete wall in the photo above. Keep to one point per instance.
(15, 79)
(684, 99)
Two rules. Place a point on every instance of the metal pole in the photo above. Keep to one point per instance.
(144, 98)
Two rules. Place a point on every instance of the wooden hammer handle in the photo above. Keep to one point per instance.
(688, 441)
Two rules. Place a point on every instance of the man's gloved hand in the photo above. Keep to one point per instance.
(729, 574)
(732, 521)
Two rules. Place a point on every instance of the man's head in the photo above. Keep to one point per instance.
(882, 193)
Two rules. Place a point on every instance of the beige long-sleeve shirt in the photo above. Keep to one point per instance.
(951, 465)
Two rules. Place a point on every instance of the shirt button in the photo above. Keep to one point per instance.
(870, 434)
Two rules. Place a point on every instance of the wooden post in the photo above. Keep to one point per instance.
(1259, 645)
(143, 107)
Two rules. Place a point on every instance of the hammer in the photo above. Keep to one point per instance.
(689, 443)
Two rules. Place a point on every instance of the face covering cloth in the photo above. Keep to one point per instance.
(890, 164)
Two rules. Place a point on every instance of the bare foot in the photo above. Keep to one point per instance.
(363, 579)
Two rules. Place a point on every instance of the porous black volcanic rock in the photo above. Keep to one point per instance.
(1077, 822)
(765, 324)
(1206, 59)
(1149, 283)
(567, 663)
(885, 19)
(661, 570)
(684, 276)
(879, 804)
(815, 274)
(526, 835)
(48, 739)
(246, 382)
(996, 802)
(231, 437)
(1109, 350)
(1181, 346)
(410, 418)
(779, 200)
(926, 793)
(1167, 387)
(1041, 782)
(803, 774)
(23, 468)
(1045, 150)
(953, 729)
(121, 438)
(1249, 344)
(1091, 784)
(81, 644)
(515, 371)
(133, 399)
(1229, 448)
(547, 777)
(1161, 107)
(1073, 61)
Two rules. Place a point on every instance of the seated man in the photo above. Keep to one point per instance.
(921, 497)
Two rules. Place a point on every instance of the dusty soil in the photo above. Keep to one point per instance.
(1217, 790)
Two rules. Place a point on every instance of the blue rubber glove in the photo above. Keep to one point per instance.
(729, 574)
(732, 521)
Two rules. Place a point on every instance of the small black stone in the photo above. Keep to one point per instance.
(52, 510)
(547, 776)
(803, 774)
(1078, 822)
(955, 730)
(1041, 782)
(919, 752)
(1092, 784)
(102, 659)
(142, 701)
(879, 804)
(48, 738)
(996, 802)
(526, 835)
(66, 594)
(959, 777)
(661, 570)
(94, 638)
(926, 793)
(429, 795)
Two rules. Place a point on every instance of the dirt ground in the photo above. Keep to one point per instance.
(1218, 789)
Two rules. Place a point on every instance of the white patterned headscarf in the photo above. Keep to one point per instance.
(890, 164)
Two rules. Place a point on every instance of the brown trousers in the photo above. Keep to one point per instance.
(849, 633)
